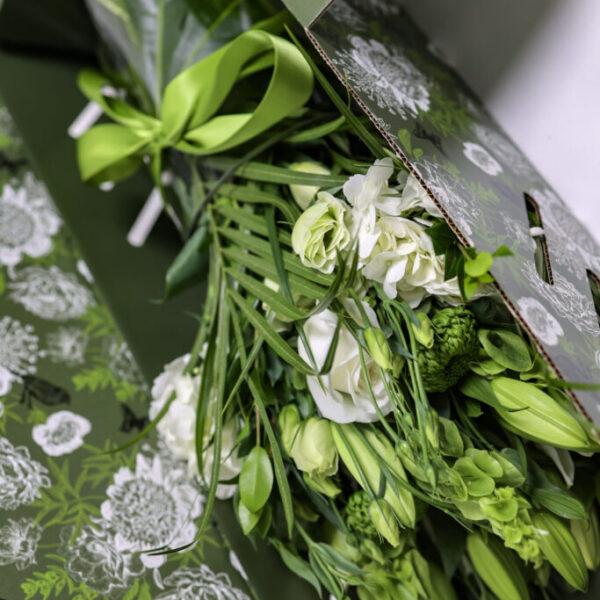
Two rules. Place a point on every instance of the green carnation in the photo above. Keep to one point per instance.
(357, 515)
(455, 346)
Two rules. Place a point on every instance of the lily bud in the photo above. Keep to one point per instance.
(362, 452)
(497, 566)
(378, 347)
(289, 422)
(423, 332)
(587, 535)
(304, 194)
(385, 522)
(560, 548)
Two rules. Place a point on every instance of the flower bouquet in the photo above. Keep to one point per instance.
(358, 387)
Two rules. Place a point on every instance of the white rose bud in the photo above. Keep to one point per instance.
(320, 233)
(313, 449)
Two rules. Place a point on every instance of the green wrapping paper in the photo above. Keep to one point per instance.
(43, 100)
(72, 516)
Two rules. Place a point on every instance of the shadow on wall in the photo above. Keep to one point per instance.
(482, 39)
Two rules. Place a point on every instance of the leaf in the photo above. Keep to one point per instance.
(441, 236)
(315, 133)
(256, 479)
(271, 298)
(248, 519)
(298, 566)
(479, 265)
(506, 348)
(503, 251)
(159, 38)
(190, 264)
(279, 345)
(272, 174)
(560, 503)
(267, 269)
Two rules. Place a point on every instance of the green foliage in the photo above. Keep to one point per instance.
(102, 378)
(52, 583)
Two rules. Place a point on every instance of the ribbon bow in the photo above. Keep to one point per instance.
(187, 121)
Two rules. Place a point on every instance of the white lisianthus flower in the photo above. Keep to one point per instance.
(320, 233)
(366, 194)
(342, 395)
(178, 426)
(404, 262)
(414, 196)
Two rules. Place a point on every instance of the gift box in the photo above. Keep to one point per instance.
(486, 189)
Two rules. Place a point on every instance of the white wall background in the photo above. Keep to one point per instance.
(536, 64)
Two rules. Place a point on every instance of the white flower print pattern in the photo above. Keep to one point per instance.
(93, 558)
(27, 222)
(504, 150)
(566, 299)
(67, 345)
(21, 477)
(153, 507)
(200, 584)
(544, 325)
(18, 543)
(481, 158)
(62, 433)
(454, 195)
(386, 76)
(18, 352)
(51, 293)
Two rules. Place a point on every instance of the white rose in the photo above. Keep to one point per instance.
(404, 262)
(305, 194)
(342, 395)
(178, 427)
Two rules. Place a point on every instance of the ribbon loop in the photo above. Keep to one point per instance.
(188, 116)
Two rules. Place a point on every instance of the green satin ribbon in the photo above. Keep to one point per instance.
(187, 118)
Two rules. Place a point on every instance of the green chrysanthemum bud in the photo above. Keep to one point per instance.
(378, 347)
(357, 515)
(497, 566)
(560, 548)
(587, 534)
(455, 346)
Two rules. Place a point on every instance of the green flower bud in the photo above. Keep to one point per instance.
(423, 332)
(478, 482)
(561, 549)
(304, 194)
(501, 505)
(378, 347)
(357, 515)
(528, 411)
(313, 450)
(497, 567)
(455, 346)
(385, 521)
(323, 485)
(451, 442)
(289, 422)
(587, 535)
(320, 233)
